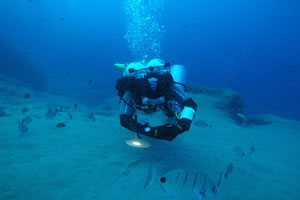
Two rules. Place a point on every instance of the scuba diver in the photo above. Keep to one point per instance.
(150, 86)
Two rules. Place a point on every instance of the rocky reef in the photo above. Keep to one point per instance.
(231, 103)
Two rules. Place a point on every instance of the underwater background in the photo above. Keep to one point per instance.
(249, 46)
(60, 132)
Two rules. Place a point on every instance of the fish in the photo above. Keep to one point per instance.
(252, 150)
(90, 82)
(25, 121)
(240, 153)
(22, 125)
(27, 96)
(189, 184)
(225, 175)
(62, 108)
(228, 171)
(70, 115)
(291, 71)
(22, 129)
(202, 124)
(130, 167)
(51, 113)
(67, 73)
(3, 113)
(25, 110)
(60, 125)
(92, 116)
(150, 177)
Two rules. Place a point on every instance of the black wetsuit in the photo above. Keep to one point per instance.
(174, 101)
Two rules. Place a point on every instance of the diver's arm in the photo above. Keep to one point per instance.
(188, 105)
(187, 108)
(186, 116)
(128, 117)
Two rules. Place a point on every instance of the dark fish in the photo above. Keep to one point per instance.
(239, 151)
(51, 113)
(90, 82)
(60, 108)
(26, 120)
(291, 71)
(62, 19)
(38, 116)
(92, 116)
(67, 73)
(70, 115)
(202, 124)
(22, 129)
(251, 151)
(225, 175)
(220, 179)
(25, 110)
(66, 108)
(75, 105)
(27, 96)
(3, 113)
(60, 125)
(130, 167)
(228, 171)
(150, 177)
(22, 125)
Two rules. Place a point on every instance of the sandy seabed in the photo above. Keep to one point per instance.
(89, 158)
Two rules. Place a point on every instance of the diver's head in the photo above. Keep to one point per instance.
(131, 68)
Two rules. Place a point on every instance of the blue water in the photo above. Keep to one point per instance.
(250, 46)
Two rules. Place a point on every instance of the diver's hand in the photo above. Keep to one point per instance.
(144, 129)
(184, 124)
(166, 132)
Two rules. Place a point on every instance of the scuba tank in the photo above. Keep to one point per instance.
(177, 71)
(179, 76)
